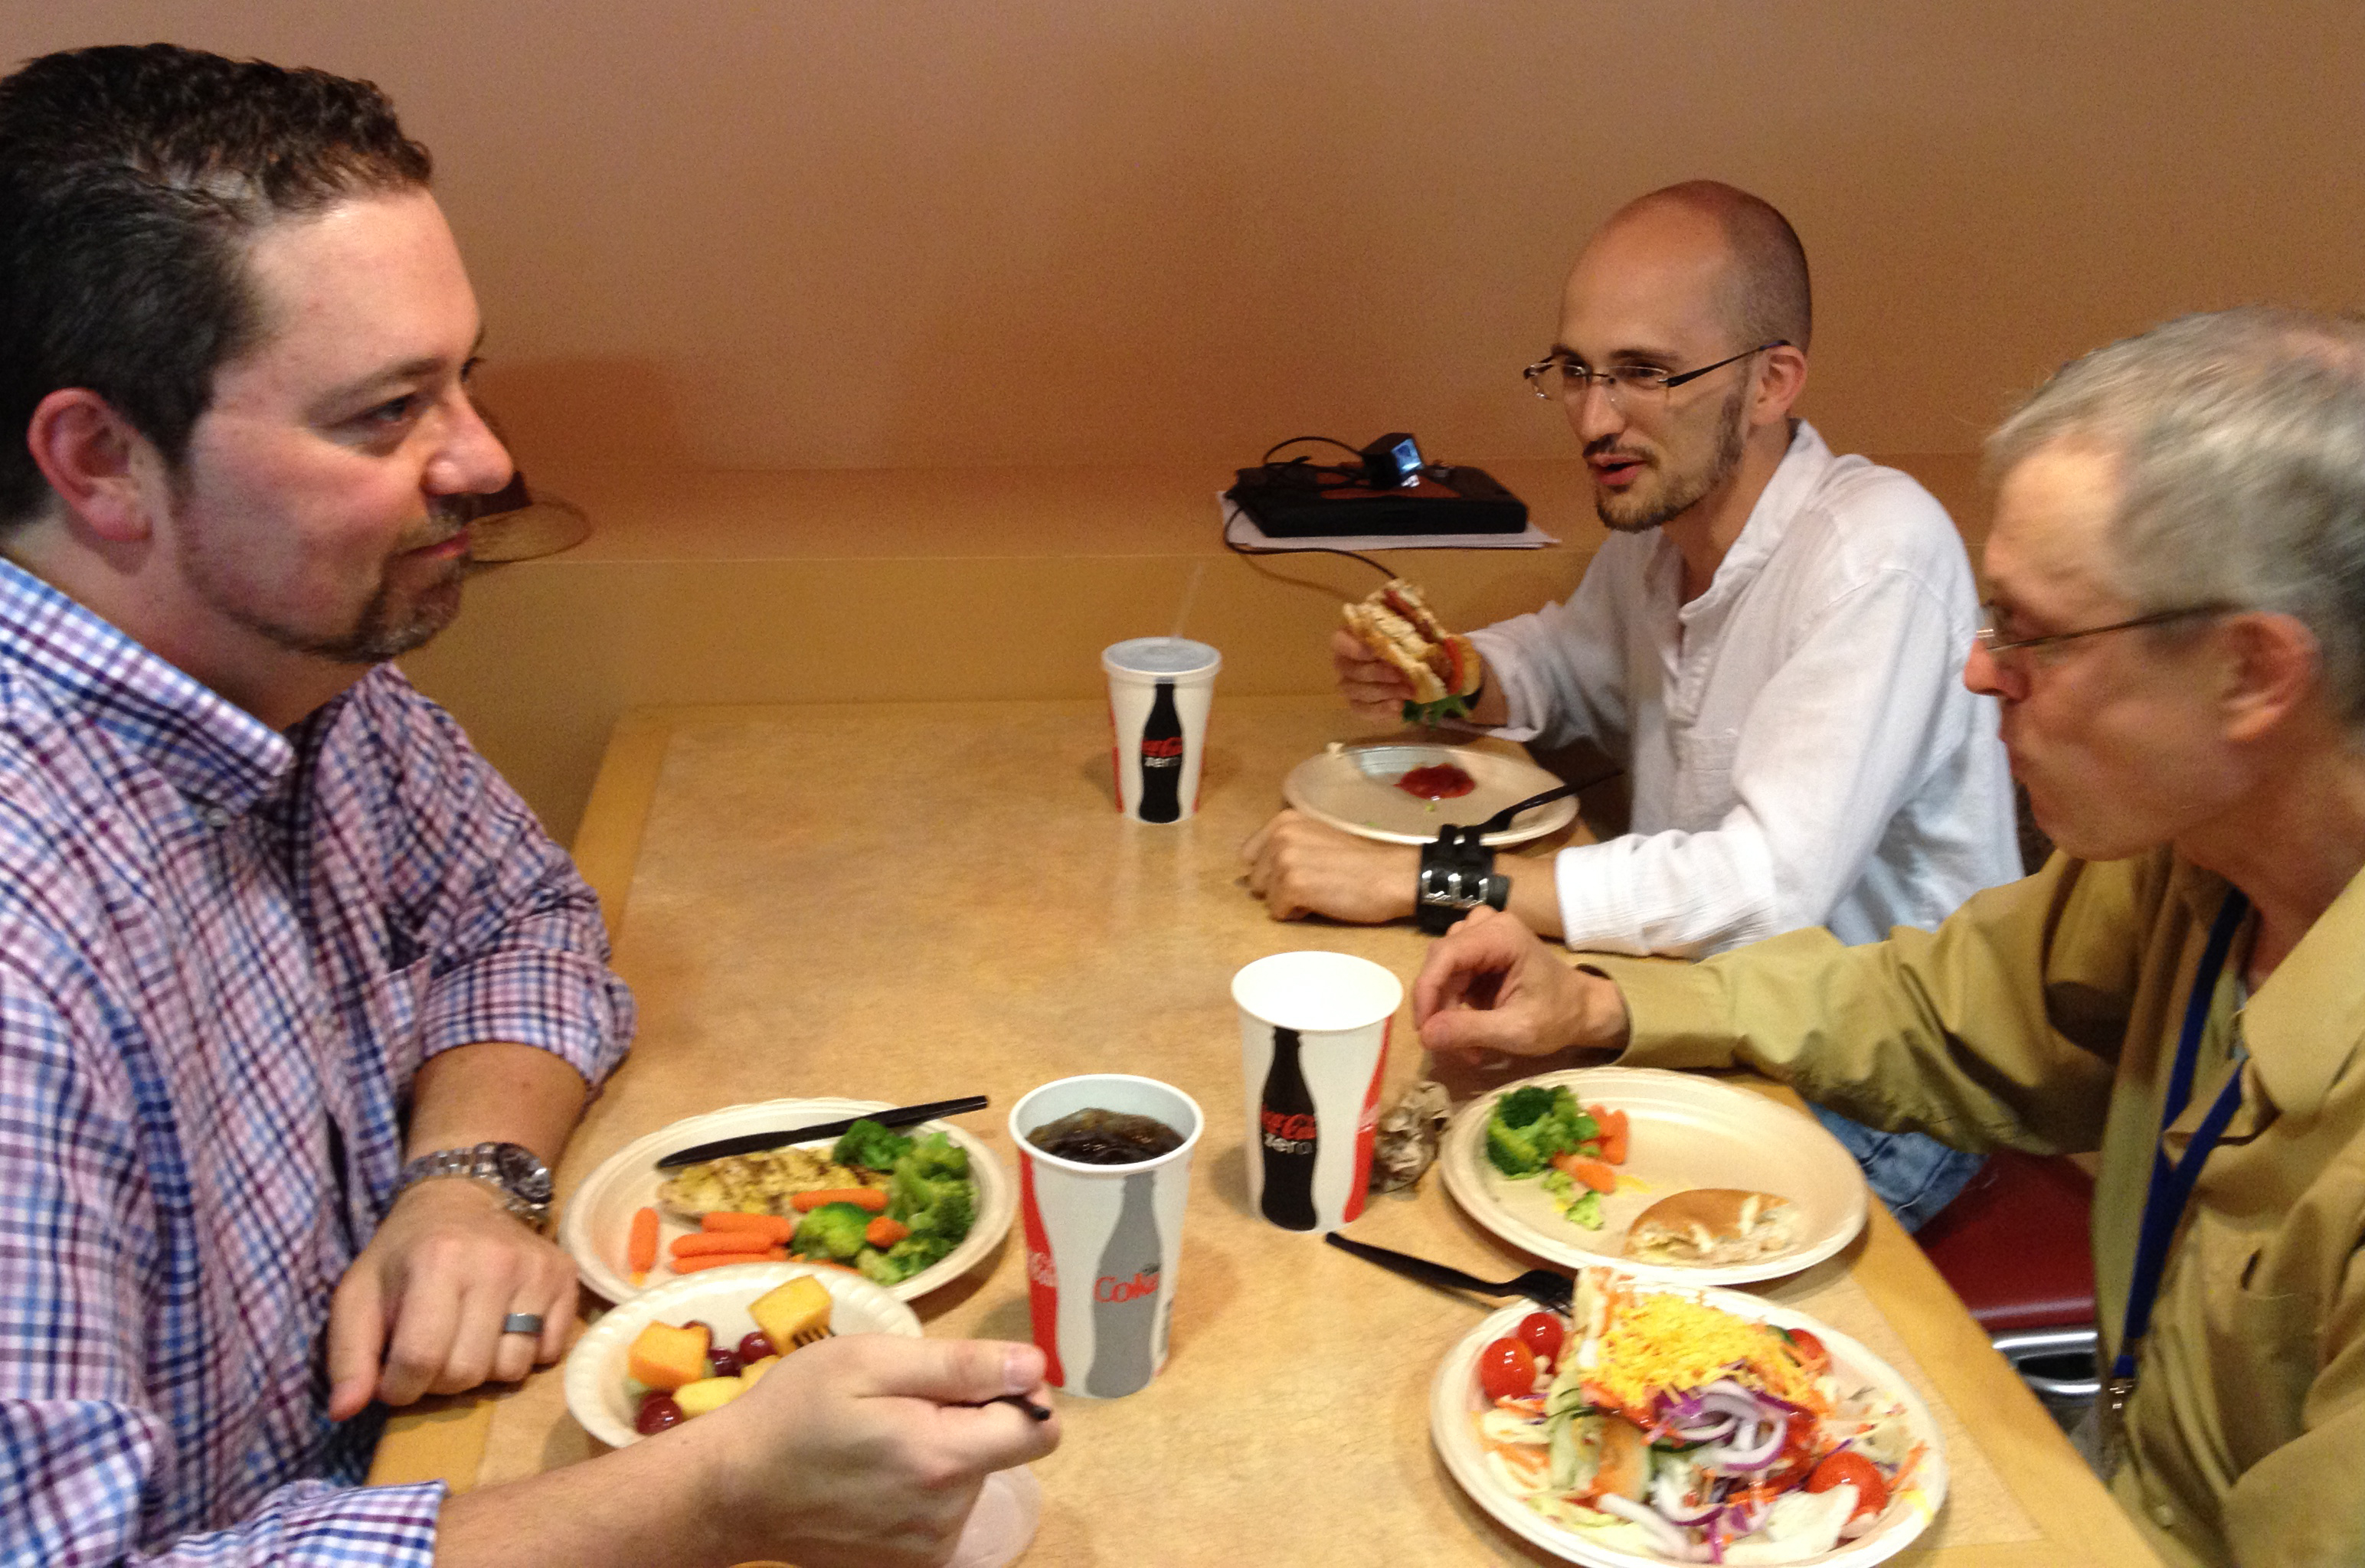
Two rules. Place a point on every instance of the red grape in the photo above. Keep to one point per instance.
(725, 1362)
(657, 1412)
(754, 1349)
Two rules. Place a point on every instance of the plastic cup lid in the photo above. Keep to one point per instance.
(1161, 655)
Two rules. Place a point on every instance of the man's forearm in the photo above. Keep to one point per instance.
(494, 1092)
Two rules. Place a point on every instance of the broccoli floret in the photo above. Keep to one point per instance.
(1523, 1107)
(911, 1195)
(949, 1217)
(876, 1267)
(1512, 1150)
(937, 1156)
(868, 1145)
(1586, 1213)
(916, 1252)
(832, 1230)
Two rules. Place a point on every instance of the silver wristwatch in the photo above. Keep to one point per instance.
(512, 1170)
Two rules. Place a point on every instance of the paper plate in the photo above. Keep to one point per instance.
(1456, 1396)
(1353, 787)
(598, 1218)
(1688, 1131)
(602, 1398)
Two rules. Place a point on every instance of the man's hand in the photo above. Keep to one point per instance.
(865, 1449)
(427, 1296)
(1490, 985)
(1300, 866)
(1374, 688)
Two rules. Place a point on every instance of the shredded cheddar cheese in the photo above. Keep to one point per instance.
(1656, 1343)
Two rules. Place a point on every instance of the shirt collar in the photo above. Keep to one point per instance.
(2304, 1024)
(1801, 469)
(203, 744)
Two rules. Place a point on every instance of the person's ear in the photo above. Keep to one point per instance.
(93, 459)
(1781, 382)
(2275, 668)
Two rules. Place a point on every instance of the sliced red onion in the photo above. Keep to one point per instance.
(1666, 1496)
(1670, 1541)
(1718, 1430)
(1756, 1450)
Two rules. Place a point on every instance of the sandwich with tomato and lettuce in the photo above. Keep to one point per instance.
(1444, 670)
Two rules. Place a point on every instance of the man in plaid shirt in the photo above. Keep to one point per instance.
(277, 949)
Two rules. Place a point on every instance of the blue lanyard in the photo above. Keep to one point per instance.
(2171, 1186)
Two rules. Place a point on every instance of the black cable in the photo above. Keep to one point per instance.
(1239, 549)
(1293, 441)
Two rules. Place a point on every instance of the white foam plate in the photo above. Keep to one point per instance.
(1455, 1397)
(1353, 788)
(1685, 1131)
(604, 1400)
(598, 1218)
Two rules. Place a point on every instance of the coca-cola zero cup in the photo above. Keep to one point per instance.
(1314, 1046)
(1103, 1241)
(1159, 689)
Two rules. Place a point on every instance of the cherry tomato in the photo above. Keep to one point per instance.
(1507, 1370)
(755, 1348)
(1811, 1354)
(1543, 1333)
(1797, 1456)
(1871, 1489)
(657, 1412)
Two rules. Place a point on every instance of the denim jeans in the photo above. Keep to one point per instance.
(1913, 1173)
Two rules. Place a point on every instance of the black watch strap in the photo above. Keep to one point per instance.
(1457, 875)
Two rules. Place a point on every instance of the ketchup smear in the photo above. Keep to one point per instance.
(1438, 781)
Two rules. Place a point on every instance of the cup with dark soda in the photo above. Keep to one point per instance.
(1104, 1173)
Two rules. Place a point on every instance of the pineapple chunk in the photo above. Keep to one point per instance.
(756, 1369)
(800, 1306)
(664, 1357)
(708, 1393)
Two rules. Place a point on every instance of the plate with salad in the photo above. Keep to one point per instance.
(1656, 1424)
(1563, 1165)
(910, 1209)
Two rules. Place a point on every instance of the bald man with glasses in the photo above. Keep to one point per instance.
(1767, 641)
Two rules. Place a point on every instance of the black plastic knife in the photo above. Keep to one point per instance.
(753, 1142)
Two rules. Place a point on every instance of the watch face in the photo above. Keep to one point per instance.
(521, 1173)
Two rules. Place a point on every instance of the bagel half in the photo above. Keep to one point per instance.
(1711, 1226)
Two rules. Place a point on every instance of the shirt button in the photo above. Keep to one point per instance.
(215, 817)
(2163, 1516)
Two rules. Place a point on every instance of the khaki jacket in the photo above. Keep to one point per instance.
(2045, 1016)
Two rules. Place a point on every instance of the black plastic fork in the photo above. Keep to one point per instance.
(1542, 1286)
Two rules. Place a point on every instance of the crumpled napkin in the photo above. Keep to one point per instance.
(1405, 1143)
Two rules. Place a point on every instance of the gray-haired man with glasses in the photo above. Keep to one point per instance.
(1768, 640)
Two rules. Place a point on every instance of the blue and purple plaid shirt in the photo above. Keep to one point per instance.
(224, 952)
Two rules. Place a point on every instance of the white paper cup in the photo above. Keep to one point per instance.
(1314, 1046)
(1103, 1241)
(1159, 689)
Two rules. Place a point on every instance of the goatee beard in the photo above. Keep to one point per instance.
(1684, 491)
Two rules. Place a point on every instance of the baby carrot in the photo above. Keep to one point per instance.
(883, 1232)
(779, 1227)
(869, 1198)
(702, 1244)
(1593, 1173)
(641, 1251)
(1613, 1134)
(716, 1259)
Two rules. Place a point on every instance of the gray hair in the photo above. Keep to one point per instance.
(2240, 441)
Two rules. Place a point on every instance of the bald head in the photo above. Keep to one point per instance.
(1761, 288)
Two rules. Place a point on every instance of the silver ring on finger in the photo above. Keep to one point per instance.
(521, 1323)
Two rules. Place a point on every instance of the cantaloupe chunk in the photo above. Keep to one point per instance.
(708, 1393)
(800, 1306)
(664, 1357)
(756, 1369)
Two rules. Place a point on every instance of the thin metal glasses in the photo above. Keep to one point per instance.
(1991, 638)
(1625, 385)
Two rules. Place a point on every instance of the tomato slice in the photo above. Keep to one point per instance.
(1871, 1486)
(1543, 1333)
(1507, 1370)
(1812, 1353)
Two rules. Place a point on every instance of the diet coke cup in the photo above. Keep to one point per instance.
(1159, 689)
(1314, 1045)
(1104, 1224)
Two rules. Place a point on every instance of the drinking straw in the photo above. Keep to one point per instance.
(1190, 592)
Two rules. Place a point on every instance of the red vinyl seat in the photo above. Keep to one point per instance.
(2016, 1245)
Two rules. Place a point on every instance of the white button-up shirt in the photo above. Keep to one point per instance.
(1800, 746)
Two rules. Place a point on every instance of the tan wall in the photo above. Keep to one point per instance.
(790, 233)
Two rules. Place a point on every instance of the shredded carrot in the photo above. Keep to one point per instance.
(703, 1243)
(641, 1249)
(869, 1198)
(884, 1233)
(778, 1227)
(692, 1265)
